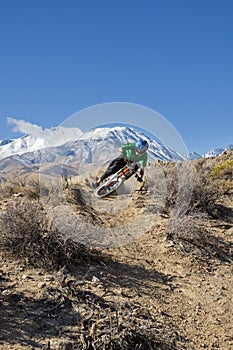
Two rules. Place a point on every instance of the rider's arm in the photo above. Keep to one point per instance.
(143, 162)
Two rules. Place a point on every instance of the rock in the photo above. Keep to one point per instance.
(16, 195)
(49, 278)
(24, 277)
(95, 279)
(106, 258)
(6, 294)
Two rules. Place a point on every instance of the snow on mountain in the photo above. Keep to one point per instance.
(193, 155)
(120, 135)
(50, 138)
(68, 145)
(5, 142)
(101, 144)
(71, 147)
(217, 151)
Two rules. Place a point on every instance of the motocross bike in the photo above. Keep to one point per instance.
(116, 180)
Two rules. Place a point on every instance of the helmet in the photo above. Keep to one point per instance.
(142, 146)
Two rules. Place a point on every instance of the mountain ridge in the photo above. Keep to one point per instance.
(92, 146)
(71, 143)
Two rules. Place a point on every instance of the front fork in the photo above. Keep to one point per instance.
(128, 170)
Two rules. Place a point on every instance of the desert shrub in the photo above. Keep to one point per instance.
(171, 176)
(33, 189)
(12, 185)
(227, 187)
(179, 186)
(23, 185)
(191, 187)
(177, 182)
(114, 326)
(124, 327)
(207, 193)
(27, 234)
(223, 170)
(190, 235)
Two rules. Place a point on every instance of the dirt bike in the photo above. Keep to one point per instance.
(116, 180)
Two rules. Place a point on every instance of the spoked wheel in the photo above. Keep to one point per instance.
(108, 187)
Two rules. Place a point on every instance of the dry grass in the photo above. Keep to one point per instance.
(223, 170)
(23, 185)
(99, 324)
(112, 326)
(27, 234)
(208, 190)
(191, 236)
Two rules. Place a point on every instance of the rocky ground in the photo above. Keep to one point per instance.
(180, 290)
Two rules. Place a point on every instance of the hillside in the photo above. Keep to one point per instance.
(169, 287)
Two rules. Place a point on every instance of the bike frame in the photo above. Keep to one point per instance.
(116, 180)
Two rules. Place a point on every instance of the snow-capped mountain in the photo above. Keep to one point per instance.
(193, 155)
(5, 142)
(212, 153)
(50, 138)
(217, 151)
(119, 135)
(71, 146)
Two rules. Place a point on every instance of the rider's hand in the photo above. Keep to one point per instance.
(139, 178)
(142, 172)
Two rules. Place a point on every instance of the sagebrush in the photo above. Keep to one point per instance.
(27, 234)
(191, 236)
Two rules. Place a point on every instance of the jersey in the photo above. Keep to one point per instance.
(129, 150)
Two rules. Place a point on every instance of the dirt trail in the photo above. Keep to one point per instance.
(195, 294)
(189, 294)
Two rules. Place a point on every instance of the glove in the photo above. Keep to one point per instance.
(139, 178)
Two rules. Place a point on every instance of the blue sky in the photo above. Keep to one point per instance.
(173, 56)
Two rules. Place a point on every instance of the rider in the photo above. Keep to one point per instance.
(130, 152)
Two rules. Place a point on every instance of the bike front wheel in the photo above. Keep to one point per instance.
(108, 187)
